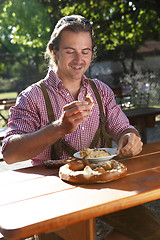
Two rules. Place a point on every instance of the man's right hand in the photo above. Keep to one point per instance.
(74, 114)
(21, 147)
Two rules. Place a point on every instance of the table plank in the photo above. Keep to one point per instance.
(46, 181)
(37, 196)
(150, 148)
(127, 191)
(25, 174)
(135, 165)
(32, 188)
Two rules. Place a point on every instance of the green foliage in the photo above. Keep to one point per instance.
(25, 29)
(24, 26)
(120, 27)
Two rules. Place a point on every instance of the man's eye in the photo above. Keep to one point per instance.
(85, 53)
(69, 52)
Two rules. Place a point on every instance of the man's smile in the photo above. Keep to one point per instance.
(76, 67)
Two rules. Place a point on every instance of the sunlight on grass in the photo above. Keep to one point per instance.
(9, 95)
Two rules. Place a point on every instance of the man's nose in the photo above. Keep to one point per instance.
(78, 57)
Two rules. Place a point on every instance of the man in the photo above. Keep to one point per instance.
(51, 120)
(70, 49)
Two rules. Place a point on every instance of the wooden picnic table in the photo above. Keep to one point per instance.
(35, 200)
(142, 117)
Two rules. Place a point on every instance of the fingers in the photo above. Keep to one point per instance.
(76, 107)
(77, 111)
(129, 145)
(74, 114)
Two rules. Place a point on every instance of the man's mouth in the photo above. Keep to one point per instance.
(76, 67)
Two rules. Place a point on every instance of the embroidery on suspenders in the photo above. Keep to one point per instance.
(61, 144)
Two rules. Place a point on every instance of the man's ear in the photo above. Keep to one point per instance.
(54, 53)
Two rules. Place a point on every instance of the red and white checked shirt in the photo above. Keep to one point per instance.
(30, 114)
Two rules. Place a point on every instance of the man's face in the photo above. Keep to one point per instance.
(74, 55)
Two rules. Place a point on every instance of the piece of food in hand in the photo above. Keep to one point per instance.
(89, 99)
(95, 153)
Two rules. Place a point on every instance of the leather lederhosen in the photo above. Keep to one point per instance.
(62, 145)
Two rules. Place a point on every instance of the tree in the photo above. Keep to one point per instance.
(24, 29)
(25, 26)
(120, 26)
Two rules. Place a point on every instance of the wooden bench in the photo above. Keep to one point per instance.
(2, 134)
(5, 104)
(3, 131)
(1, 156)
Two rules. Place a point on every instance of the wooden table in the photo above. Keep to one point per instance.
(142, 117)
(34, 200)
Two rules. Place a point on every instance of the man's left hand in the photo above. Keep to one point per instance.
(129, 145)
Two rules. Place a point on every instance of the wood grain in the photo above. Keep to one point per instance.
(34, 200)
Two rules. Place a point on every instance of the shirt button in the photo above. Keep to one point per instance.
(82, 128)
(67, 94)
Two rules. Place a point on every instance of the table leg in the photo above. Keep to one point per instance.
(47, 236)
(85, 230)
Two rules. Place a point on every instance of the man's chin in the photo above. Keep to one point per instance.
(77, 76)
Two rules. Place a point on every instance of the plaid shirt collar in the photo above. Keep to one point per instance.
(57, 83)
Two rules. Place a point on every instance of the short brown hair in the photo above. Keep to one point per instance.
(74, 23)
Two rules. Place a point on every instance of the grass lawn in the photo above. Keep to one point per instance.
(5, 113)
(9, 95)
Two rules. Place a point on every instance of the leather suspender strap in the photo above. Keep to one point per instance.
(95, 90)
(50, 113)
(48, 103)
(56, 148)
(102, 131)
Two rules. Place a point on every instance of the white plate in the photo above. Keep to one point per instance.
(112, 151)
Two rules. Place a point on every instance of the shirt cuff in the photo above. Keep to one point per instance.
(130, 130)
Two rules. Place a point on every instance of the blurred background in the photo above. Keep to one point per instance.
(127, 37)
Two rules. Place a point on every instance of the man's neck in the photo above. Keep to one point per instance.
(74, 88)
(73, 85)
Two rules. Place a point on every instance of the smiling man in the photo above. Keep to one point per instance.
(73, 126)
(73, 59)
(52, 120)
